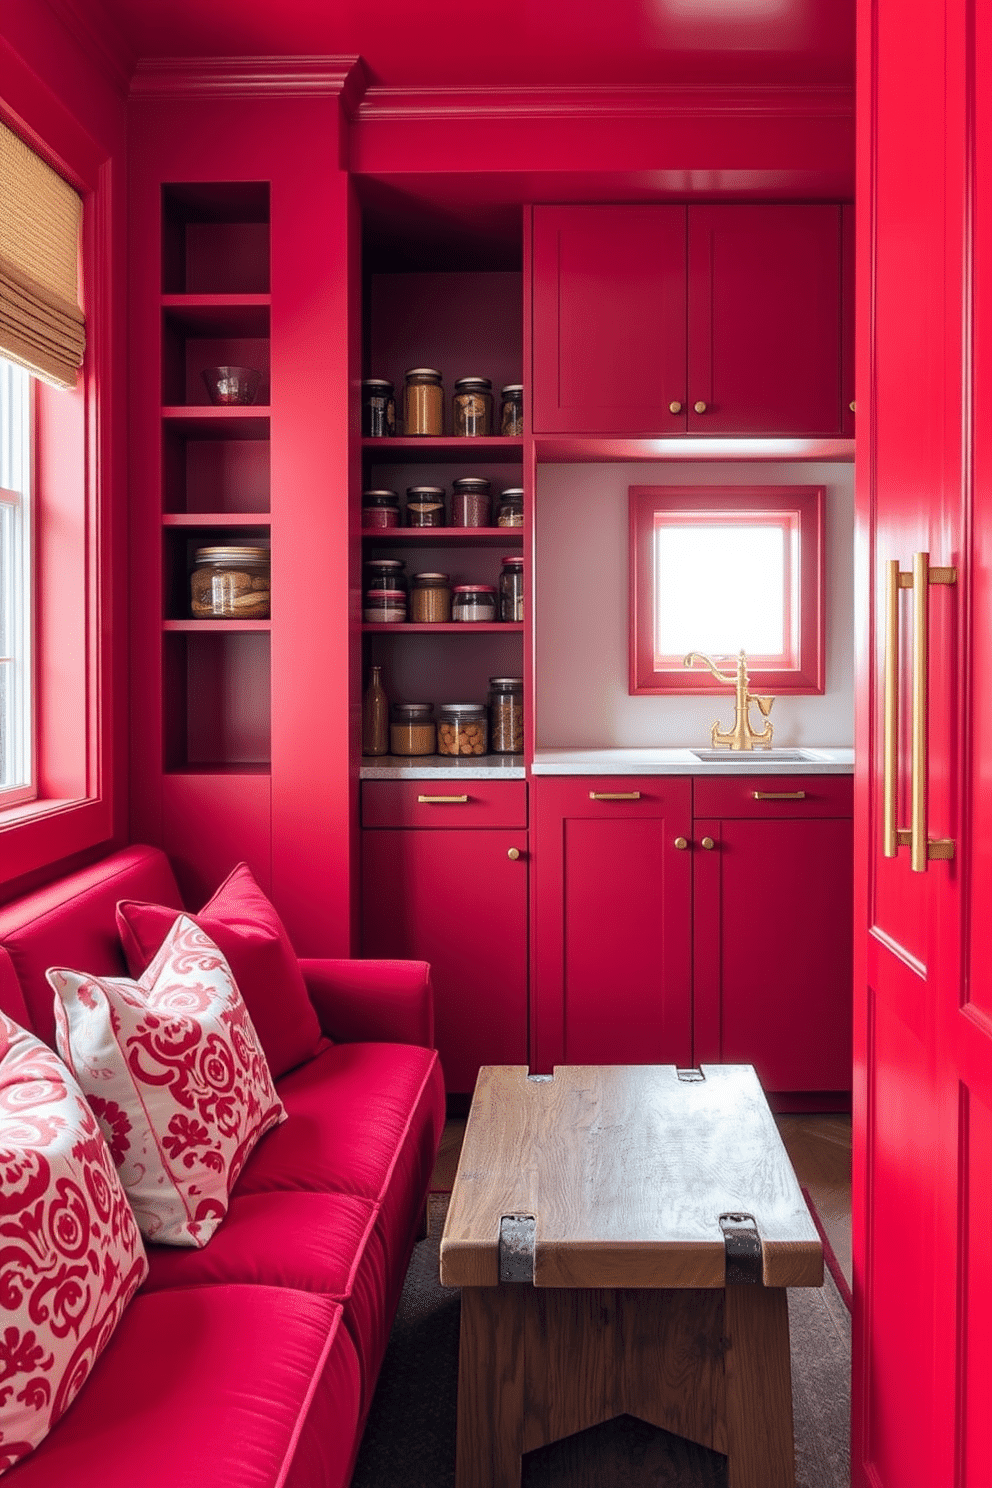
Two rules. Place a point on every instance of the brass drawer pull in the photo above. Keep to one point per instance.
(614, 795)
(779, 795)
(442, 800)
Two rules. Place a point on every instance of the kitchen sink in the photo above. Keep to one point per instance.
(745, 757)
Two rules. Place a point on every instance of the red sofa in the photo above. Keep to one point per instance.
(251, 1363)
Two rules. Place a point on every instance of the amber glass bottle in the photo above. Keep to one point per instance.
(375, 716)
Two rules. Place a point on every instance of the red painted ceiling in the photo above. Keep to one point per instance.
(427, 43)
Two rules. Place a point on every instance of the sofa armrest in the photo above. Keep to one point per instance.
(382, 1001)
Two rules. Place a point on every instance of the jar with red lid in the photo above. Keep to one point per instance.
(385, 607)
(474, 603)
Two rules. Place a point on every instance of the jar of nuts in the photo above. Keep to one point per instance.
(411, 729)
(430, 599)
(462, 729)
(472, 407)
(229, 583)
(506, 715)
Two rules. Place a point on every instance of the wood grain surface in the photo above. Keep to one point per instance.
(626, 1170)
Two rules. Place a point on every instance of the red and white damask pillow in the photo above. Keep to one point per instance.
(71, 1256)
(175, 1074)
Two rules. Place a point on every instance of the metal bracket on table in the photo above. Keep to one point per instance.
(690, 1076)
(516, 1247)
(742, 1246)
(540, 1078)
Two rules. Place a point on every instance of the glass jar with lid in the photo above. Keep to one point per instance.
(511, 589)
(380, 509)
(506, 715)
(378, 408)
(423, 402)
(425, 506)
(474, 602)
(471, 503)
(411, 729)
(386, 573)
(462, 729)
(385, 607)
(230, 583)
(472, 407)
(430, 599)
(511, 418)
(510, 512)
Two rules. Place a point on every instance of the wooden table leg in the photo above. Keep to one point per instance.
(490, 1388)
(760, 1446)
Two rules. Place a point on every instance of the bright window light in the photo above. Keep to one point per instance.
(741, 605)
(17, 781)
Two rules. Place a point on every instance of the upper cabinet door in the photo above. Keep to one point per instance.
(609, 320)
(765, 322)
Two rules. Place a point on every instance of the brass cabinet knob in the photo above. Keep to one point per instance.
(853, 406)
(675, 407)
(709, 844)
(513, 853)
(699, 407)
(681, 843)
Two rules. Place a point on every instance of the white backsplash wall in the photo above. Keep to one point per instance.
(581, 581)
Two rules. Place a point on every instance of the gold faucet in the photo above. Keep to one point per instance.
(741, 736)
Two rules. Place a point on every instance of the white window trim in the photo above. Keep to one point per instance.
(16, 586)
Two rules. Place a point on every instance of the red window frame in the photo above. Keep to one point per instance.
(800, 510)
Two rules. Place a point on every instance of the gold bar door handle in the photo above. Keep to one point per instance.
(915, 837)
(614, 795)
(779, 795)
(442, 800)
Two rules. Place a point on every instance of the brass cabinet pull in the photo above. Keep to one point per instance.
(699, 407)
(779, 795)
(513, 853)
(681, 843)
(614, 795)
(708, 844)
(853, 406)
(921, 847)
(442, 800)
(675, 406)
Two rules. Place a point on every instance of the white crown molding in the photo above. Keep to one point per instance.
(250, 77)
(99, 37)
(601, 103)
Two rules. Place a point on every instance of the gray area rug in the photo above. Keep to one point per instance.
(409, 1440)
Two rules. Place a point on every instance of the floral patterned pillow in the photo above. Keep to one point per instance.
(71, 1256)
(176, 1077)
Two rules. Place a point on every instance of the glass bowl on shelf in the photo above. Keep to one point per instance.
(227, 385)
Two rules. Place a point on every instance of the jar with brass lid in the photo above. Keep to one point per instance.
(471, 503)
(506, 715)
(511, 420)
(412, 730)
(462, 729)
(423, 402)
(386, 573)
(430, 599)
(511, 589)
(380, 509)
(510, 512)
(378, 408)
(472, 407)
(230, 583)
(425, 506)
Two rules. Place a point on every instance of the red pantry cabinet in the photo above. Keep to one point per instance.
(703, 320)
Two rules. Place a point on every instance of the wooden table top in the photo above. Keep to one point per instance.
(626, 1170)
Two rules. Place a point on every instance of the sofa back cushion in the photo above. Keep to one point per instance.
(71, 1256)
(73, 923)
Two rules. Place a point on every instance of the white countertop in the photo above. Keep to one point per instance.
(685, 762)
(443, 767)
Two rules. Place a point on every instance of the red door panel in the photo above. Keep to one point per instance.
(609, 319)
(765, 322)
(457, 900)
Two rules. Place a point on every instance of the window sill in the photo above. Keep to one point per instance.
(39, 833)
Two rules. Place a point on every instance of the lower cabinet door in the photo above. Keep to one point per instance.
(612, 932)
(458, 900)
(773, 949)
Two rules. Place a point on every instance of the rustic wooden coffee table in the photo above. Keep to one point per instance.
(623, 1237)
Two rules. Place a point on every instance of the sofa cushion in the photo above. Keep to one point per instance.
(363, 1119)
(313, 1242)
(226, 1386)
(248, 930)
(176, 1077)
(72, 923)
(71, 1256)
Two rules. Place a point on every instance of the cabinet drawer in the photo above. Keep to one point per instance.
(444, 803)
(614, 796)
(748, 795)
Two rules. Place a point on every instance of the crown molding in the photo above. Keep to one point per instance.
(251, 77)
(604, 103)
(99, 37)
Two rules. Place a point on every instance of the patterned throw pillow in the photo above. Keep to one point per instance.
(71, 1256)
(174, 1072)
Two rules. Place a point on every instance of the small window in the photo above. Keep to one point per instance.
(720, 570)
(17, 781)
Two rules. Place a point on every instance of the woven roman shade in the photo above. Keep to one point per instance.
(41, 325)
